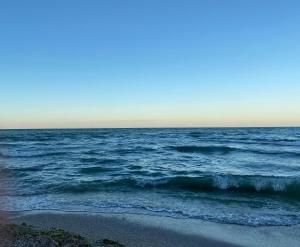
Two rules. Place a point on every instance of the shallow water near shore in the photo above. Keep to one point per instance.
(244, 176)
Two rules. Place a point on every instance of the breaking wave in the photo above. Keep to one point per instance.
(281, 186)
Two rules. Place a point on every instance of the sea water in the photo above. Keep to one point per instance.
(245, 176)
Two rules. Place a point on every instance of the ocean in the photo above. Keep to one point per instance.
(244, 176)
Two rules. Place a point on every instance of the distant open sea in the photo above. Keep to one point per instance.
(247, 176)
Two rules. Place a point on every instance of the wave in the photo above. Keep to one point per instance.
(94, 170)
(27, 139)
(214, 149)
(50, 154)
(28, 169)
(273, 152)
(138, 149)
(197, 134)
(98, 161)
(202, 149)
(98, 185)
(275, 139)
(288, 187)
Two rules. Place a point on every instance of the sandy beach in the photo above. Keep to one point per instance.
(148, 231)
(130, 233)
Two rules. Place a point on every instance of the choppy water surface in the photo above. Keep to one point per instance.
(247, 176)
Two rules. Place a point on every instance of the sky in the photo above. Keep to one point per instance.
(149, 63)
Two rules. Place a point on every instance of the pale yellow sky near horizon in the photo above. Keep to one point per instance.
(288, 119)
(238, 113)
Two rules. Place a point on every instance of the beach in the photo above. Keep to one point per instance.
(118, 228)
(148, 231)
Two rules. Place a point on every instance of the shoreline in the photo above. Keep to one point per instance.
(134, 230)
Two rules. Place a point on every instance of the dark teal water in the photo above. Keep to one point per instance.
(247, 176)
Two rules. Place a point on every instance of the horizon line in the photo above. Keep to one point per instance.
(179, 127)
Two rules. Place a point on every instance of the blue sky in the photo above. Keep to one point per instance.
(154, 63)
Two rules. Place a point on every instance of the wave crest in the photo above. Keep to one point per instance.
(202, 149)
(214, 149)
(281, 186)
